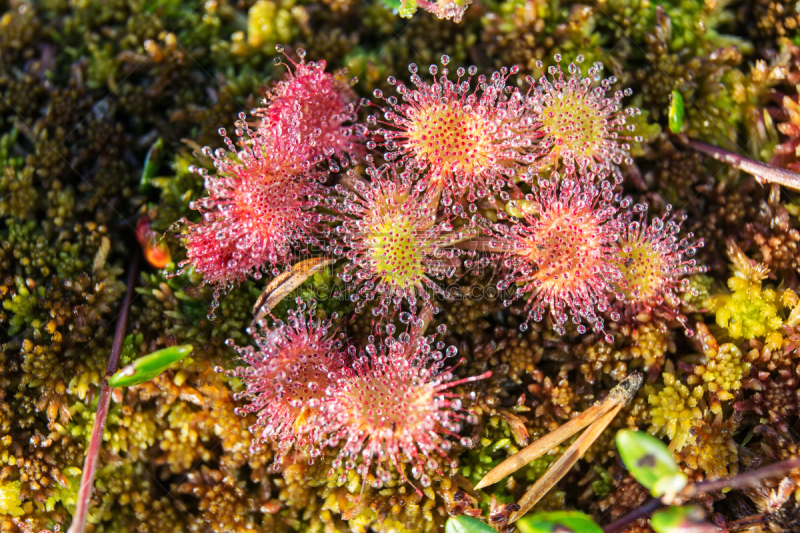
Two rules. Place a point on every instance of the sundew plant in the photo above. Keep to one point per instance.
(413, 266)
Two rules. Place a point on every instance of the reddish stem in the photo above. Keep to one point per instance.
(743, 480)
(740, 481)
(92, 453)
(641, 512)
(761, 171)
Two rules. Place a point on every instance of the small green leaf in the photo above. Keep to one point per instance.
(499, 445)
(558, 521)
(676, 112)
(151, 163)
(687, 519)
(394, 5)
(650, 462)
(147, 367)
(465, 524)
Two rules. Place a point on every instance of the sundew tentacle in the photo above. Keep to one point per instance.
(655, 262)
(578, 123)
(469, 136)
(397, 245)
(560, 250)
(445, 9)
(395, 401)
(259, 208)
(319, 107)
(286, 376)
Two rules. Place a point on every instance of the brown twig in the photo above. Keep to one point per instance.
(747, 522)
(643, 511)
(96, 440)
(761, 171)
(740, 481)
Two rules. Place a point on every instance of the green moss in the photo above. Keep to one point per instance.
(22, 306)
(66, 495)
(9, 498)
(87, 87)
(751, 310)
(497, 444)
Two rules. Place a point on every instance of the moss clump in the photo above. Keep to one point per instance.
(10, 503)
(87, 87)
(675, 412)
(751, 310)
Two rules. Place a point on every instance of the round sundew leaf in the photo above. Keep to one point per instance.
(558, 522)
(465, 524)
(147, 367)
(676, 112)
(686, 519)
(650, 462)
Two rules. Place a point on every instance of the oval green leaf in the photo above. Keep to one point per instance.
(650, 462)
(151, 163)
(147, 367)
(466, 524)
(686, 519)
(676, 112)
(394, 5)
(558, 521)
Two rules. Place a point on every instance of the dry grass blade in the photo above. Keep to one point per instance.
(564, 463)
(280, 287)
(543, 445)
(619, 395)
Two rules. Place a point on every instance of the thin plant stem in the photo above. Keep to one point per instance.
(761, 171)
(96, 440)
(739, 481)
(642, 511)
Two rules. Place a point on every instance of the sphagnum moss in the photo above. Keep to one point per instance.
(86, 90)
